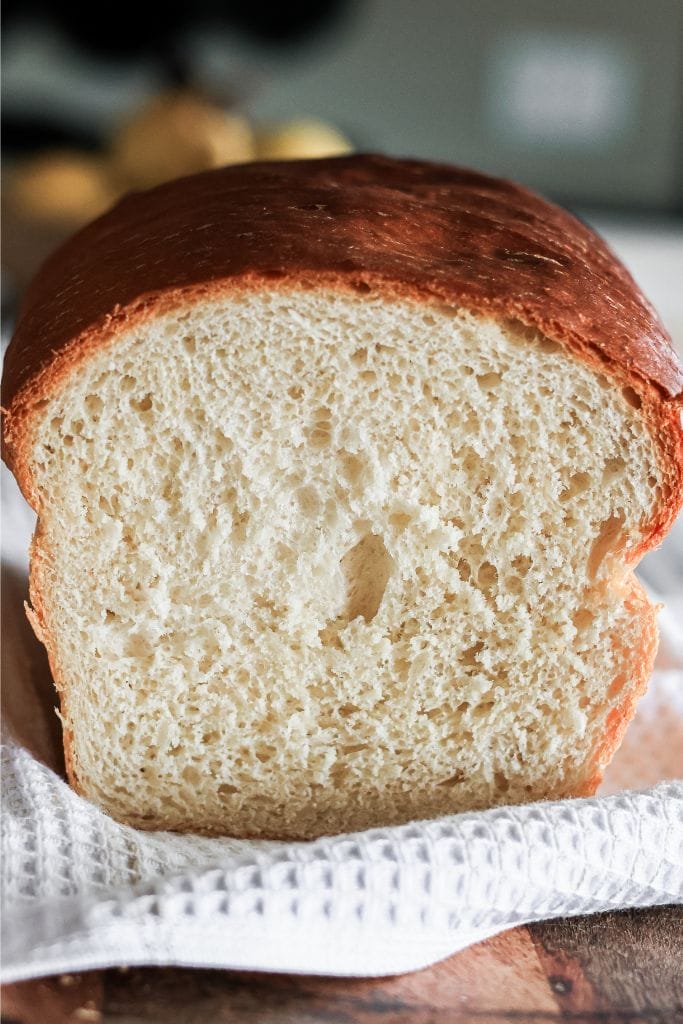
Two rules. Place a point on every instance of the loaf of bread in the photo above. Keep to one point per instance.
(342, 470)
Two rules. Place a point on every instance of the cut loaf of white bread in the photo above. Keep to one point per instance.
(326, 547)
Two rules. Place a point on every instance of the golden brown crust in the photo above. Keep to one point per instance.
(405, 228)
(481, 242)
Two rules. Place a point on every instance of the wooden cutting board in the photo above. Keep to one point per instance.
(607, 968)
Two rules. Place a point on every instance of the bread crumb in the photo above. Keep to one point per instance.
(252, 529)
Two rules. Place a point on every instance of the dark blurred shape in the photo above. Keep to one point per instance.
(280, 23)
(128, 29)
(24, 133)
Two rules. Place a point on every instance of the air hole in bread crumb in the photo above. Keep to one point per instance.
(319, 434)
(143, 404)
(295, 392)
(225, 789)
(547, 345)
(517, 444)
(354, 748)
(352, 466)
(429, 394)
(410, 628)
(366, 569)
(489, 381)
(108, 505)
(240, 523)
(453, 780)
(308, 501)
(607, 542)
(329, 635)
(469, 655)
(127, 382)
(400, 520)
(582, 619)
(402, 667)
(265, 753)
(440, 711)
(521, 564)
(461, 566)
(94, 404)
(578, 483)
(487, 575)
(137, 646)
(470, 460)
(632, 397)
(482, 710)
(284, 553)
(614, 468)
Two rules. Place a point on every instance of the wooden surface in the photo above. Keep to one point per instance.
(604, 968)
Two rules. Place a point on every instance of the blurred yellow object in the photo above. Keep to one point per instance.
(48, 197)
(61, 186)
(304, 138)
(178, 134)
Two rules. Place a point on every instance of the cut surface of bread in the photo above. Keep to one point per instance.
(307, 575)
(342, 471)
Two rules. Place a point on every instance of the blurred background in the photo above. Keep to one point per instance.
(581, 99)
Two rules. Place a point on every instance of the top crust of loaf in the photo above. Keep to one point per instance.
(409, 228)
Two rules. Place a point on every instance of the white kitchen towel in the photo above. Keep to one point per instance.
(81, 891)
